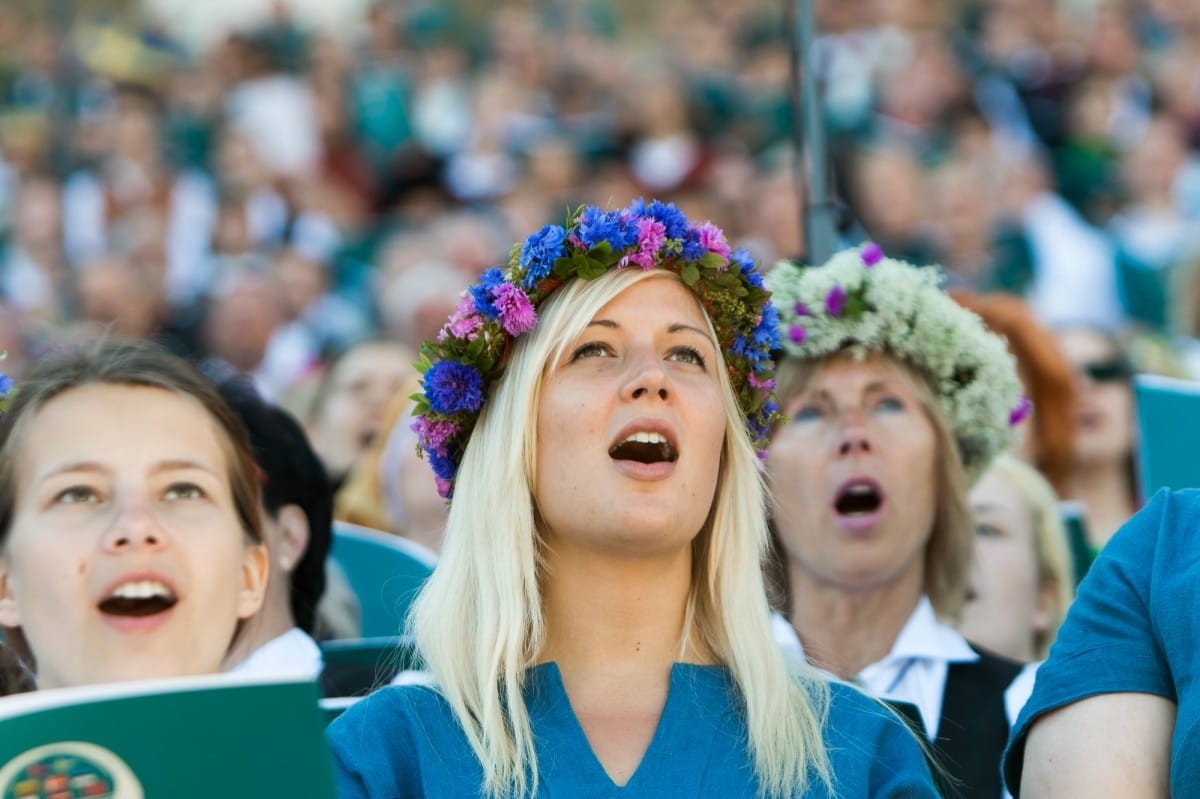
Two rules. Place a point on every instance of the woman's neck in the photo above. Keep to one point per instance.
(842, 631)
(614, 626)
(1107, 497)
(617, 615)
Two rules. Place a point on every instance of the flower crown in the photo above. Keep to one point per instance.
(470, 352)
(863, 302)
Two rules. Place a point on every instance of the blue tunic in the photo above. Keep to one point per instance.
(1134, 628)
(404, 742)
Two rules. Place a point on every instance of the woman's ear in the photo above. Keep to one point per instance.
(256, 567)
(292, 541)
(10, 615)
(1046, 609)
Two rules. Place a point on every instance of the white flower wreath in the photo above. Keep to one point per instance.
(860, 302)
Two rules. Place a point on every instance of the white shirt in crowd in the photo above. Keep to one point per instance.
(293, 654)
(915, 670)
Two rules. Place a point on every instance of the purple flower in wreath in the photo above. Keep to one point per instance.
(1021, 412)
(651, 235)
(712, 238)
(762, 385)
(435, 436)
(835, 302)
(801, 309)
(797, 334)
(872, 254)
(516, 311)
(464, 323)
(452, 387)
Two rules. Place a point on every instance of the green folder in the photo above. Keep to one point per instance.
(190, 738)
(1169, 437)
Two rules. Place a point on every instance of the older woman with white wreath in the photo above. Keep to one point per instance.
(895, 400)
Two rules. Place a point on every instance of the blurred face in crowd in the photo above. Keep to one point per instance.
(39, 214)
(852, 473)
(242, 319)
(120, 296)
(359, 387)
(302, 280)
(630, 427)
(1150, 168)
(1104, 416)
(126, 558)
(1007, 604)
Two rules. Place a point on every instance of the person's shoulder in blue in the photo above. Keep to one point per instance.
(1127, 647)
(405, 742)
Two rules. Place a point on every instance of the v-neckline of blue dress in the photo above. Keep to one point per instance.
(669, 766)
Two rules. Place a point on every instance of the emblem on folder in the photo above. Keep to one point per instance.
(68, 770)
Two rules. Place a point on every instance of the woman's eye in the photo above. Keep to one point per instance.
(184, 491)
(890, 405)
(807, 413)
(76, 495)
(985, 530)
(593, 349)
(687, 355)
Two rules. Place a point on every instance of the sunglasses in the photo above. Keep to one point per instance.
(1107, 371)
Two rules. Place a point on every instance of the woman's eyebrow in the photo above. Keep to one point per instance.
(71, 466)
(176, 464)
(681, 326)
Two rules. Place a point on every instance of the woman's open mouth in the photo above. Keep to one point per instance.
(138, 599)
(859, 503)
(644, 448)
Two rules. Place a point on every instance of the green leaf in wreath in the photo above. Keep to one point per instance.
(690, 274)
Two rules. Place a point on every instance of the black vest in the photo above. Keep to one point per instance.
(973, 729)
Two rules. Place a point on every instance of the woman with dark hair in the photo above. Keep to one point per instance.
(1103, 477)
(130, 539)
(14, 676)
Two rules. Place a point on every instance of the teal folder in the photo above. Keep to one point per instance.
(1168, 415)
(190, 738)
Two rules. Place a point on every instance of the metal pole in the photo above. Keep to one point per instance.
(820, 233)
(63, 109)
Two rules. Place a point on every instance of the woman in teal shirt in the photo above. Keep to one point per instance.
(597, 624)
(1116, 707)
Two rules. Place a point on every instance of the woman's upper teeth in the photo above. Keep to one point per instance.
(140, 589)
(646, 438)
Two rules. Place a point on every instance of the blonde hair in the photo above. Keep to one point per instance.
(479, 623)
(951, 545)
(1055, 566)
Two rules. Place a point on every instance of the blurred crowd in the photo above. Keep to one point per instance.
(299, 208)
(285, 192)
(265, 203)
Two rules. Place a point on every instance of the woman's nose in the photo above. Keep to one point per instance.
(647, 379)
(134, 527)
(854, 438)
